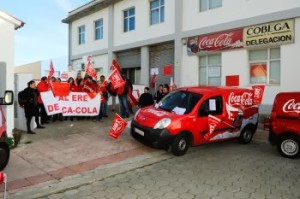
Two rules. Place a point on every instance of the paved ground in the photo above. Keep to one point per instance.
(79, 160)
(67, 148)
(216, 171)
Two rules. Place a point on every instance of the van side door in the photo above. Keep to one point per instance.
(212, 116)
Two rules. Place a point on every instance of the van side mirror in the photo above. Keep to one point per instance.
(8, 98)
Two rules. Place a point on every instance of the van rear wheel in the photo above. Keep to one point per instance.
(246, 135)
(180, 144)
(4, 155)
(288, 147)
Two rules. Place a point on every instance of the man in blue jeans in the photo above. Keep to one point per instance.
(122, 93)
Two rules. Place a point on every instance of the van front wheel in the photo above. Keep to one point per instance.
(180, 144)
(4, 155)
(288, 147)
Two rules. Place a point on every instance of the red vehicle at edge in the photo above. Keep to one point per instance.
(191, 116)
(284, 124)
(4, 148)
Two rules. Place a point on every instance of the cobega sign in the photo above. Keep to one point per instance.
(274, 33)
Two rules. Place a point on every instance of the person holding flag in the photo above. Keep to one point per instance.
(42, 86)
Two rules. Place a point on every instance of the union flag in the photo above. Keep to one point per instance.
(89, 68)
(118, 126)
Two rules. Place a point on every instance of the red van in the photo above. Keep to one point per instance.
(191, 116)
(4, 148)
(284, 124)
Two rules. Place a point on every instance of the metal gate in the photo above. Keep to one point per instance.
(162, 56)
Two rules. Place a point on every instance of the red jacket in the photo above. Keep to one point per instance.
(41, 87)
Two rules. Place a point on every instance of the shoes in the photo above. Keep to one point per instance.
(40, 127)
(31, 132)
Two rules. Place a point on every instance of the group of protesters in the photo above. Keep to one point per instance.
(34, 106)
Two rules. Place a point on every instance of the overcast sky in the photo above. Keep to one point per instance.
(44, 36)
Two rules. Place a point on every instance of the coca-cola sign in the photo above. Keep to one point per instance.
(215, 42)
(244, 99)
(291, 106)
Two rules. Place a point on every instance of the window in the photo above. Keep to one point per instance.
(180, 102)
(265, 66)
(209, 4)
(133, 74)
(99, 29)
(81, 31)
(213, 106)
(129, 20)
(157, 10)
(210, 70)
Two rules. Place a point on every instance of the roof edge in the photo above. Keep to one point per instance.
(17, 22)
(88, 9)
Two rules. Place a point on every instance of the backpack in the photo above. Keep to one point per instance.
(22, 98)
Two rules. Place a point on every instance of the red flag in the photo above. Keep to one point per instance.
(132, 100)
(60, 89)
(2, 176)
(116, 79)
(172, 85)
(118, 126)
(115, 65)
(153, 80)
(258, 93)
(51, 70)
(89, 68)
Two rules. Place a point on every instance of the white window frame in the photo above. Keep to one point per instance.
(212, 70)
(127, 20)
(267, 62)
(160, 10)
(81, 35)
(208, 5)
(99, 29)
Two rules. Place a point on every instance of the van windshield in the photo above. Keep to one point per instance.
(180, 102)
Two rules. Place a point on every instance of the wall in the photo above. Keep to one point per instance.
(33, 68)
(231, 10)
(7, 32)
(143, 29)
(90, 43)
(235, 62)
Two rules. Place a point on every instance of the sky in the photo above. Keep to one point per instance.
(44, 36)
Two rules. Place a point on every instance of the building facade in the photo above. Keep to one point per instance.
(217, 42)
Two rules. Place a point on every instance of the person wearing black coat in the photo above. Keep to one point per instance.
(146, 99)
(31, 107)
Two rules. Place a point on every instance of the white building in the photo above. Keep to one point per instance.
(8, 25)
(223, 42)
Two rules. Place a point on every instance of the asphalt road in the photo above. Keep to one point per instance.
(216, 171)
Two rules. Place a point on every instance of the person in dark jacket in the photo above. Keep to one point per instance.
(146, 99)
(159, 93)
(31, 107)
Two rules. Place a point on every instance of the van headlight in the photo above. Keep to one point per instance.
(163, 123)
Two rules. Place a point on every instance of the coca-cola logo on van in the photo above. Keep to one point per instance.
(291, 106)
(245, 99)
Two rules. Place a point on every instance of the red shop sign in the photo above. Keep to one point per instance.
(215, 42)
